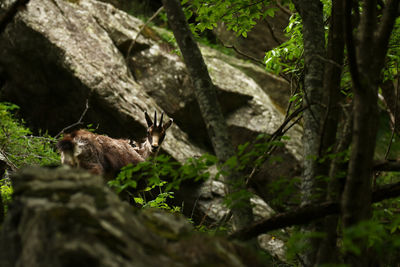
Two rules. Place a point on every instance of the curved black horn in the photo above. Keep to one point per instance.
(148, 119)
(161, 120)
(155, 118)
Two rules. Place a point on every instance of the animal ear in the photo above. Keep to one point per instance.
(168, 124)
(148, 119)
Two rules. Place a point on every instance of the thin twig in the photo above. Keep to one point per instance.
(284, 9)
(194, 207)
(205, 216)
(287, 120)
(292, 124)
(255, 60)
(76, 123)
(271, 31)
(8, 161)
(141, 30)
(240, 8)
(330, 61)
(278, 133)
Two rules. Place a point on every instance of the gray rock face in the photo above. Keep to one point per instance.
(265, 35)
(59, 53)
(65, 217)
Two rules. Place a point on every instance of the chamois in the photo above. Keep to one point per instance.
(106, 156)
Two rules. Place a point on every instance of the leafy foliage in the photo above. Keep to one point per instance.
(383, 238)
(154, 172)
(287, 57)
(18, 147)
(162, 175)
(6, 192)
(238, 16)
(393, 56)
(297, 243)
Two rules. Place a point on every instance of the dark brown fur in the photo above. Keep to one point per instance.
(97, 153)
(106, 156)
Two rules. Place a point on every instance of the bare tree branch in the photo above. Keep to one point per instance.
(271, 31)
(76, 123)
(141, 30)
(3, 154)
(255, 60)
(307, 213)
(387, 166)
(351, 50)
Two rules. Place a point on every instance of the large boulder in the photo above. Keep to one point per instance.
(70, 51)
(266, 34)
(57, 54)
(62, 217)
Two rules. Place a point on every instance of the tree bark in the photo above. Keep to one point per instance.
(327, 251)
(314, 53)
(205, 93)
(308, 213)
(387, 166)
(365, 72)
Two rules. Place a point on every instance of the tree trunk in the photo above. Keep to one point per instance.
(365, 72)
(205, 93)
(314, 53)
(327, 252)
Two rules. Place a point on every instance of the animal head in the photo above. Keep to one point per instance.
(156, 133)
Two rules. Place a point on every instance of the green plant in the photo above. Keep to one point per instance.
(160, 200)
(153, 174)
(297, 243)
(19, 146)
(239, 16)
(6, 191)
(287, 57)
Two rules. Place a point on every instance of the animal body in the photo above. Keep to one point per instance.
(106, 156)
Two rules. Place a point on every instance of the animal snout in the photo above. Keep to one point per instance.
(154, 147)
